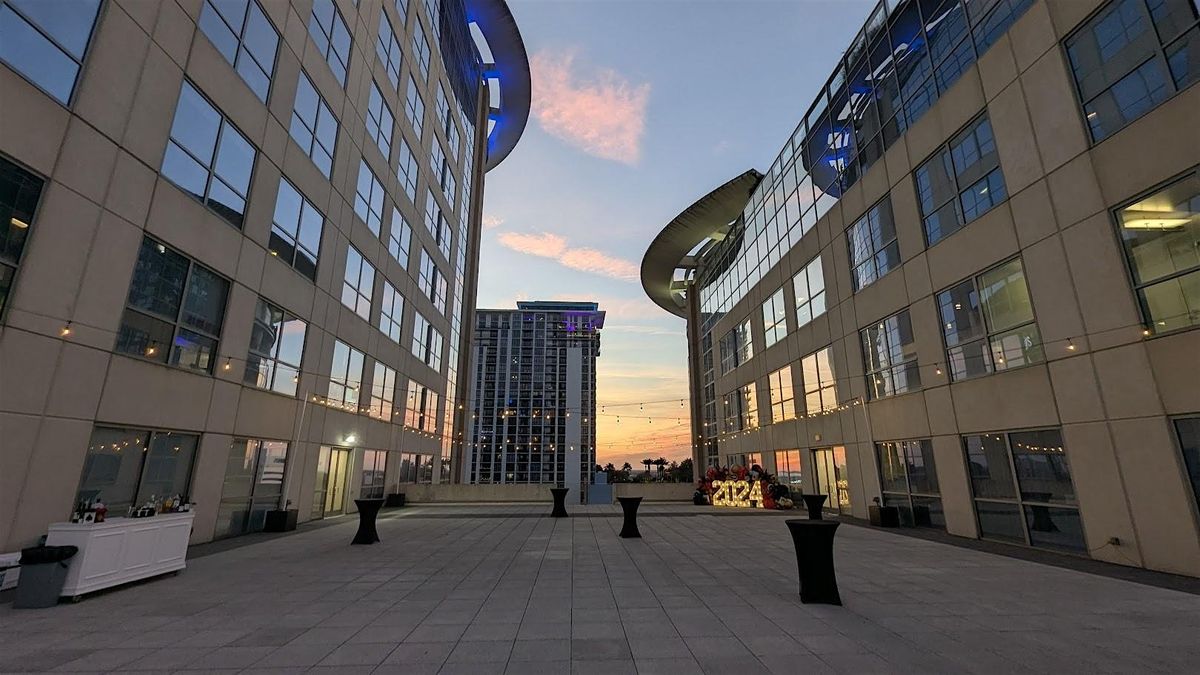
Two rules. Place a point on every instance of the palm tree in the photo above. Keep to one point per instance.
(647, 462)
(660, 463)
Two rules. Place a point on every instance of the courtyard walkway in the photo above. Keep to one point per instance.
(499, 589)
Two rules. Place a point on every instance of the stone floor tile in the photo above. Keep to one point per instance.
(606, 667)
(541, 650)
(482, 651)
(599, 649)
(596, 629)
(538, 668)
(667, 666)
(360, 654)
(295, 655)
(491, 631)
(473, 668)
(232, 657)
(420, 652)
(646, 647)
(436, 633)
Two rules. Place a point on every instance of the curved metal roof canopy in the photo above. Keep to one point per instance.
(696, 223)
(511, 67)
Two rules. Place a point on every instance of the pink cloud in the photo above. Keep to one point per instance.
(491, 222)
(601, 113)
(543, 245)
(547, 245)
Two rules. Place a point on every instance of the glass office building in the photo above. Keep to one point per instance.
(239, 249)
(967, 286)
(533, 395)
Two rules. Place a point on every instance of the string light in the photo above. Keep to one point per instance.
(66, 330)
(1070, 345)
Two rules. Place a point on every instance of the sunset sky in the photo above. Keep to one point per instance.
(640, 108)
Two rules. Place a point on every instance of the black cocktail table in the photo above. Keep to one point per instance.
(630, 506)
(560, 506)
(814, 558)
(368, 509)
(814, 504)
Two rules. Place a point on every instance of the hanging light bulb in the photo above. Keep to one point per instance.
(1070, 345)
(66, 330)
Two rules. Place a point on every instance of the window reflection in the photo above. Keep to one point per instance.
(46, 41)
(208, 157)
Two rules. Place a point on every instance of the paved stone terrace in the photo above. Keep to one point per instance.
(499, 589)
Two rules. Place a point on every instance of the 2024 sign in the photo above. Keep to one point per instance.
(742, 493)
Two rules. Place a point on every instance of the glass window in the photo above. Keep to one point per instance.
(787, 470)
(988, 323)
(313, 126)
(368, 198)
(380, 121)
(127, 468)
(45, 42)
(345, 376)
(391, 312)
(783, 398)
(253, 483)
(1188, 429)
(296, 230)
(358, 284)
(421, 49)
(208, 158)
(20, 192)
(961, 182)
(890, 356)
(820, 389)
(774, 318)
(328, 31)
(421, 407)
(174, 311)
(749, 406)
(909, 480)
(1023, 491)
(406, 169)
(433, 284)
(1161, 238)
(399, 238)
(1130, 58)
(246, 38)
(809, 285)
(388, 50)
(414, 107)
(873, 248)
(374, 469)
(991, 18)
(427, 342)
(276, 349)
(383, 392)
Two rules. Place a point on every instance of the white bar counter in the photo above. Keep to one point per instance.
(121, 550)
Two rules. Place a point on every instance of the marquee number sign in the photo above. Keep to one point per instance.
(741, 493)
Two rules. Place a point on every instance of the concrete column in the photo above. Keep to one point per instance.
(572, 472)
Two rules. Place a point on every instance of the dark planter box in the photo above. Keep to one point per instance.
(884, 516)
(280, 521)
(395, 499)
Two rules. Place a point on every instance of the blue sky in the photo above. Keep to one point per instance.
(641, 107)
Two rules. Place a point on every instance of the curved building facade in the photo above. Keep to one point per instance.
(968, 286)
(239, 249)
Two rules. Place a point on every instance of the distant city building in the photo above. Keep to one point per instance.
(533, 395)
(968, 286)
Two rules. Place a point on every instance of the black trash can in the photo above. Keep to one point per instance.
(43, 573)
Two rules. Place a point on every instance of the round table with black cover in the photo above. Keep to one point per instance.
(560, 502)
(813, 540)
(629, 505)
(368, 509)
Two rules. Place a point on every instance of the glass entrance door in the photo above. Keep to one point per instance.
(829, 465)
(333, 465)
